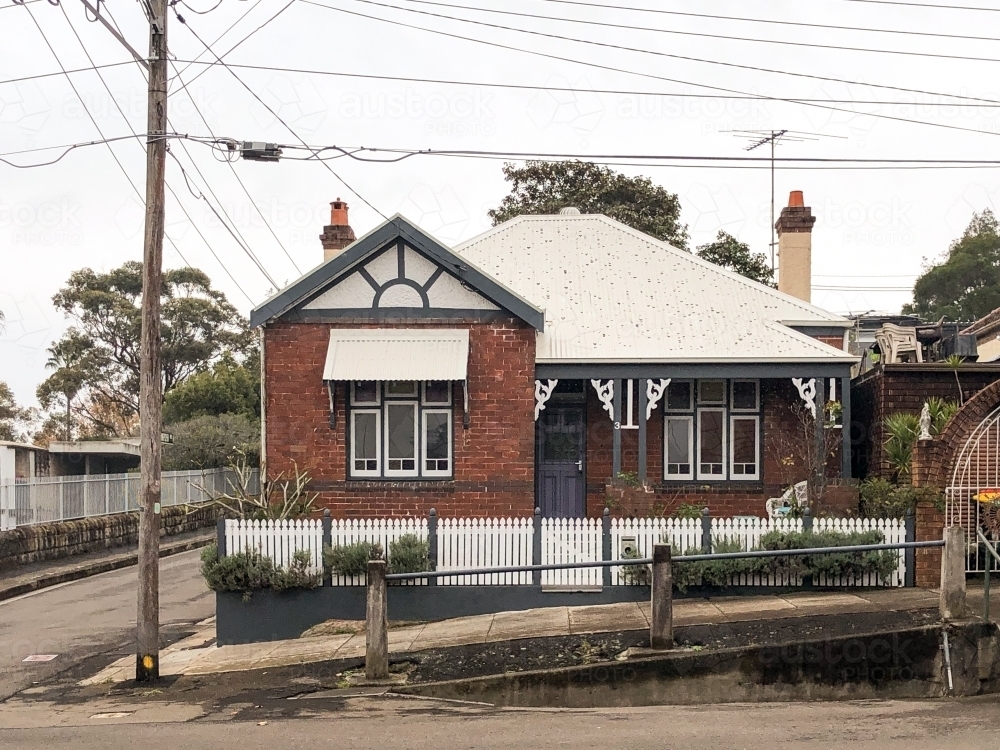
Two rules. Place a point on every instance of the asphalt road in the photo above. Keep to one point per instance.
(80, 619)
(410, 724)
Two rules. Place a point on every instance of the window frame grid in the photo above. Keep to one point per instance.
(366, 473)
(693, 384)
(450, 421)
(436, 404)
(722, 403)
(733, 476)
(732, 396)
(689, 418)
(365, 404)
(723, 476)
(397, 473)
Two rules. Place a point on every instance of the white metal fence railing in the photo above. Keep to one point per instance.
(50, 499)
(473, 543)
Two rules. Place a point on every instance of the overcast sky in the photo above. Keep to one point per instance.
(874, 230)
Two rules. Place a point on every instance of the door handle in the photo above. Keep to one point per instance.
(579, 465)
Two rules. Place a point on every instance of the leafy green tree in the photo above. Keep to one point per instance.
(70, 359)
(541, 187)
(966, 284)
(212, 440)
(199, 326)
(228, 388)
(13, 418)
(729, 252)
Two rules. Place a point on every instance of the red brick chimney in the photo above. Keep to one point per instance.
(338, 233)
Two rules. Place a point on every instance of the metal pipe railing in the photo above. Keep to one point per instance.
(992, 553)
(681, 559)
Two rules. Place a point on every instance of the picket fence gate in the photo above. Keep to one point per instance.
(464, 543)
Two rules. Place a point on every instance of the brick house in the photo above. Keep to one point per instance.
(540, 362)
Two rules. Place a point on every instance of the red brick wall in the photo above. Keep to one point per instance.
(494, 457)
(723, 499)
(905, 388)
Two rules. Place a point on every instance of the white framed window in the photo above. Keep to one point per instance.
(711, 391)
(679, 396)
(711, 444)
(391, 436)
(437, 392)
(678, 447)
(365, 392)
(401, 439)
(745, 396)
(744, 447)
(401, 388)
(437, 442)
(366, 443)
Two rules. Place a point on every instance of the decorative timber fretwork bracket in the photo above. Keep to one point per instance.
(543, 392)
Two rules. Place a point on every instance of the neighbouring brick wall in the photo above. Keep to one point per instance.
(782, 465)
(52, 541)
(905, 388)
(494, 457)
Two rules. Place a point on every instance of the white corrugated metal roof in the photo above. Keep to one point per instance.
(613, 294)
(397, 354)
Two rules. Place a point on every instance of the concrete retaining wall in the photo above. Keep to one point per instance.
(52, 541)
(899, 664)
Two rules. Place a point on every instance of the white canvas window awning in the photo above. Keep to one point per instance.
(397, 354)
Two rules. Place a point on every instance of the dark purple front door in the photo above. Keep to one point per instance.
(561, 490)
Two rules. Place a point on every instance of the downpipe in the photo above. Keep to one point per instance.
(947, 662)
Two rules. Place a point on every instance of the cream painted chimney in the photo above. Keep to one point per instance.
(794, 227)
(338, 233)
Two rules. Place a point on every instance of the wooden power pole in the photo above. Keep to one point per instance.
(147, 665)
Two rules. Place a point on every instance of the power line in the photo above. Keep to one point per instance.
(86, 109)
(705, 35)
(142, 145)
(924, 5)
(600, 66)
(241, 240)
(660, 11)
(167, 184)
(276, 115)
(227, 52)
(655, 52)
(35, 77)
(102, 141)
(572, 89)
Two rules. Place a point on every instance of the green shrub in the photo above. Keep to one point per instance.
(409, 554)
(251, 571)
(297, 575)
(720, 573)
(710, 572)
(351, 559)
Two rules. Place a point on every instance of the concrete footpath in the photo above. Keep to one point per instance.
(28, 578)
(198, 655)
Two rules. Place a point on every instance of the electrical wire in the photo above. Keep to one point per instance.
(924, 5)
(572, 89)
(704, 35)
(143, 146)
(762, 97)
(244, 244)
(658, 53)
(277, 116)
(233, 24)
(660, 11)
(54, 74)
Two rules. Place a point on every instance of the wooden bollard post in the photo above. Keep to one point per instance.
(377, 624)
(661, 621)
(953, 561)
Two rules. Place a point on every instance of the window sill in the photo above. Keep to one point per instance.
(416, 483)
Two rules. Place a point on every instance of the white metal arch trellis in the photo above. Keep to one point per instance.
(976, 470)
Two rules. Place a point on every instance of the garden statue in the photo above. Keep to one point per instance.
(925, 422)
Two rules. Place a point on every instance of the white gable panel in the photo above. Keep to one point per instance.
(352, 292)
(418, 268)
(385, 267)
(449, 294)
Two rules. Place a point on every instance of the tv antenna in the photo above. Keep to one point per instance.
(773, 138)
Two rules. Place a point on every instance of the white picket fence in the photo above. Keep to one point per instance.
(49, 499)
(465, 543)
